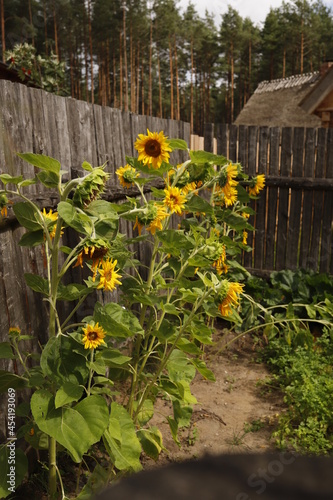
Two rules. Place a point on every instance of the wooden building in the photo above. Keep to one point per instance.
(297, 101)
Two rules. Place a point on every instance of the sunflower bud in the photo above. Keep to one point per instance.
(91, 188)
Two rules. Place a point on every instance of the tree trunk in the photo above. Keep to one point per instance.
(249, 87)
(138, 80)
(142, 90)
(45, 27)
(55, 31)
(302, 45)
(192, 71)
(3, 38)
(177, 84)
(125, 58)
(171, 80)
(32, 26)
(121, 73)
(115, 100)
(91, 52)
(86, 54)
(232, 84)
(108, 82)
(284, 63)
(159, 87)
(150, 93)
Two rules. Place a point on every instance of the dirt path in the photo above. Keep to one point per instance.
(226, 408)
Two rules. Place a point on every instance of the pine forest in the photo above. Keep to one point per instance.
(151, 57)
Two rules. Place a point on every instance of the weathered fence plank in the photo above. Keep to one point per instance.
(295, 200)
(282, 226)
(260, 207)
(274, 162)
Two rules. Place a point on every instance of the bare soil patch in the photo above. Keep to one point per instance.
(235, 414)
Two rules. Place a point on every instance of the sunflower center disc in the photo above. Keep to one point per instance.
(153, 148)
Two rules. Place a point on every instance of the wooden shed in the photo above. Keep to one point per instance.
(276, 103)
(319, 100)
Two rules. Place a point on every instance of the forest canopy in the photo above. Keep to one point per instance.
(150, 58)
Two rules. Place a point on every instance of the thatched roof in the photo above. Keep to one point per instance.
(276, 103)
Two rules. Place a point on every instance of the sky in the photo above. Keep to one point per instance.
(256, 10)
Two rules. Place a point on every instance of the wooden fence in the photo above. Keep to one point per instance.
(293, 221)
(71, 131)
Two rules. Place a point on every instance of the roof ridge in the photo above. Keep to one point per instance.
(290, 81)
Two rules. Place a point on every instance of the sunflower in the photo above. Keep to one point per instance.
(153, 149)
(15, 331)
(230, 297)
(51, 219)
(108, 275)
(93, 336)
(156, 224)
(257, 184)
(220, 264)
(127, 176)
(138, 226)
(174, 200)
(94, 251)
(3, 205)
(245, 235)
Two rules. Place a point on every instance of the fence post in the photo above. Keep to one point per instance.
(209, 137)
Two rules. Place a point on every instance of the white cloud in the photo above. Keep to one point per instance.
(256, 10)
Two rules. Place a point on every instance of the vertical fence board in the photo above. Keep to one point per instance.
(242, 146)
(274, 162)
(295, 201)
(309, 162)
(233, 134)
(282, 227)
(327, 236)
(318, 201)
(251, 168)
(259, 235)
(221, 132)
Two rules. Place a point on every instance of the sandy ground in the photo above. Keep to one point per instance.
(226, 409)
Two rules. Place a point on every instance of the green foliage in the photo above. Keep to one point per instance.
(150, 340)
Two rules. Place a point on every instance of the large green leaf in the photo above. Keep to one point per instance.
(32, 238)
(177, 144)
(41, 161)
(27, 216)
(49, 179)
(73, 291)
(201, 157)
(179, 367)
(77, 428)
(121, 441)
(13, 467)
(6, 351)
(8, 179)
(37, 283)
(112, 357)
(61, 362)
(78, 221)
(8, 380)
(197, 204)
(116, 320)
(68, 393)
(151, 441)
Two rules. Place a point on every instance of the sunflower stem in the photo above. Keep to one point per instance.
(91, 372)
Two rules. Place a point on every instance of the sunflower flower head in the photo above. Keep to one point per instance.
(14, 331)
(174, 200)
(220, 264)
(127, 176)
(245, 235)
(51, 221)
(153, 149)
(93, 336)
(90, 188)
(108, 275)
(229, 297)
(157, 223)
(257, 184)
(3, 205)
(94, 250)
